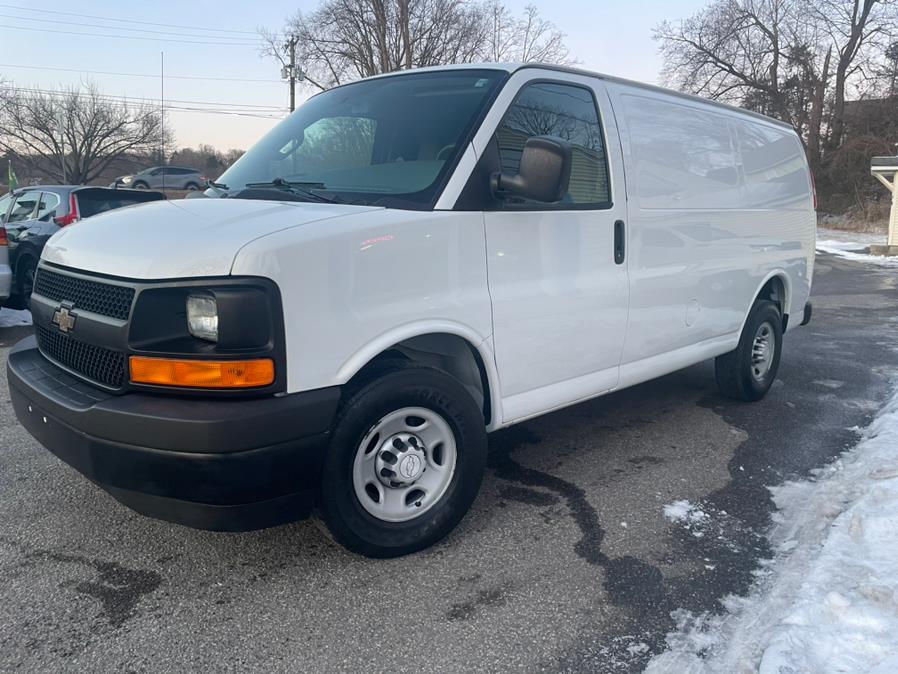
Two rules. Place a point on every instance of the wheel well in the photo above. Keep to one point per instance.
(450, 353)
(22, 257)
(775, 291)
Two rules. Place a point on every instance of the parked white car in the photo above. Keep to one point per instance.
(402, 266)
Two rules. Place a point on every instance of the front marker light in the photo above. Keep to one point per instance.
(213, 374)
(202, 317)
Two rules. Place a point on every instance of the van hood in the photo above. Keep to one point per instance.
(179, 239)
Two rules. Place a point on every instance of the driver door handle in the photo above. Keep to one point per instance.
(619, 242)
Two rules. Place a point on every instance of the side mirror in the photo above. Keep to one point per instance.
(544, 173)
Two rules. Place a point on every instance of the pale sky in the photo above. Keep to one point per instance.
(610, 37)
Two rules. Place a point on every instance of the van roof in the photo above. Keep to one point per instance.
(514, 67)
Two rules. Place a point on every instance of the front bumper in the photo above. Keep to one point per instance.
(220, 464)
(5, 282)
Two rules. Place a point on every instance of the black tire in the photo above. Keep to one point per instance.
(737, 374)
(404, 384)
(26, 267)
(141, 185)
(192, 187)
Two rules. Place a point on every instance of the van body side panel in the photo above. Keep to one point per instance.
(353, 287)
(707, 228)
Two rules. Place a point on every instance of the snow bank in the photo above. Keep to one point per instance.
(828, 601)
(10, 318)
(853, 246)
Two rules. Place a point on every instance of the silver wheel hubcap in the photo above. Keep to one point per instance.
(762, 351)
(404, 464)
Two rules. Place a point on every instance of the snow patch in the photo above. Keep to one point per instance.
(828, 601)
(853, 246)
(856, 253)
(10, 318)
(684, 511)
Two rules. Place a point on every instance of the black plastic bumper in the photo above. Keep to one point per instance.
(224, 465)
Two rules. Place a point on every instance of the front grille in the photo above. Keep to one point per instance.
(104, 366)
(94, 296)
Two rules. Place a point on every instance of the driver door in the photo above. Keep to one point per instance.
(560, 298)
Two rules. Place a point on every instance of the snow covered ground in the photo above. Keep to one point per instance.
(10, 318)
(828, 601)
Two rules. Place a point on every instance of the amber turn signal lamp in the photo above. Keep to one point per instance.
(216, 374)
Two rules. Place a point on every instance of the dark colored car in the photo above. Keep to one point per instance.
(33, 214)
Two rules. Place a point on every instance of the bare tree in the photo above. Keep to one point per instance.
(343, 40)
(530, 38)
(79, 126)
(734, 50)
(889, 70)
(793, 59)
(852, 26)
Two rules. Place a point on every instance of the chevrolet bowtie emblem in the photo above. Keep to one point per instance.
(64, 319)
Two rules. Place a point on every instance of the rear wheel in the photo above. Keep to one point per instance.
(405, 462)
(748, 372)
(192, 187)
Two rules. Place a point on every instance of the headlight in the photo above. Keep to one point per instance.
(127, 179)
(202, 317)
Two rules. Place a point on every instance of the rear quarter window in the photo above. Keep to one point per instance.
(684, 157)
(776, 172)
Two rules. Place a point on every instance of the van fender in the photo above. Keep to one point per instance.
(483, 345)
(783, 276)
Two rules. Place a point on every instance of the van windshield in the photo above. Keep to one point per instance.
(386, 142)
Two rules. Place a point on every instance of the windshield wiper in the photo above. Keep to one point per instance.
(303, 189)
(218, 186)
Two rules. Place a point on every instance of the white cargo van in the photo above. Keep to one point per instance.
(401, 266)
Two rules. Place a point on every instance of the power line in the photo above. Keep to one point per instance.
(168, 77)
(127, 37)
(67, 22)
(185, 105)
(223, 112)
(109, 18)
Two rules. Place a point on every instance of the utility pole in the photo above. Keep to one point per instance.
(290, 71)
(162, 111)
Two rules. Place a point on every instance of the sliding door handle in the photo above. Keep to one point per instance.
(620, 245)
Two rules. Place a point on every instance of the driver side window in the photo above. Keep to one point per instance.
(568, 112)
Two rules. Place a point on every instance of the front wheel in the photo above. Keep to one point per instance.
(405, 462)
(748, 372)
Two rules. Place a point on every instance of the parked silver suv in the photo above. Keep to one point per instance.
(163, 177)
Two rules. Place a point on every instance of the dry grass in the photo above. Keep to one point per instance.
(873, 218)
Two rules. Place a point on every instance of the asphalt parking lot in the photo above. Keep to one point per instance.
(566, 563)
